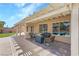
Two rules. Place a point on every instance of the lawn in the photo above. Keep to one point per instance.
(6, 35)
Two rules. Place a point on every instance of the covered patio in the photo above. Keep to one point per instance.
(63, 44)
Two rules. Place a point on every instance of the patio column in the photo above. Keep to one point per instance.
(75, 31)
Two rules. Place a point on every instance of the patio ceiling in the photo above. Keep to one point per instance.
(54, 13)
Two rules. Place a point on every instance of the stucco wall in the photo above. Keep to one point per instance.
(49, 22)
(63, 39)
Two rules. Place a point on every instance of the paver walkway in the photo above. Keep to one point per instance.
(9, 47)
(5, 47)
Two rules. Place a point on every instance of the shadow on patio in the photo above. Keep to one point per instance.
(56, 47)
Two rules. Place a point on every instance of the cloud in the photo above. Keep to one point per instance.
(28, 10)
(24, 11)
(20, 4)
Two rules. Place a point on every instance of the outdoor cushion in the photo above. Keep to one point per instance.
(39, 39)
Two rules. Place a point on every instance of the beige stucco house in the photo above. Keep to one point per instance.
(60, 19)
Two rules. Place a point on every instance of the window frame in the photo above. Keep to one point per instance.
(43, 28)
(59, 28)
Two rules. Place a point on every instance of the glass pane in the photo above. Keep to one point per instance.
(43, 28)
(56, 28)
(64, 28)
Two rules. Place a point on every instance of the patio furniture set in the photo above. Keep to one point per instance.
(43, 38)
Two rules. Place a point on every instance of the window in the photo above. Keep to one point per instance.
(56, 28)
(32, 28)
(61, 28)
(67, 28)
(27, 28)
(43, 28)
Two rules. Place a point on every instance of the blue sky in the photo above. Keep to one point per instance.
(12, 13)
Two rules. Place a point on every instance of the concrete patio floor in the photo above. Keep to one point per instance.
(32, 48)
(55, 48)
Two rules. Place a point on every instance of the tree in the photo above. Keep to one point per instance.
(1, 26)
